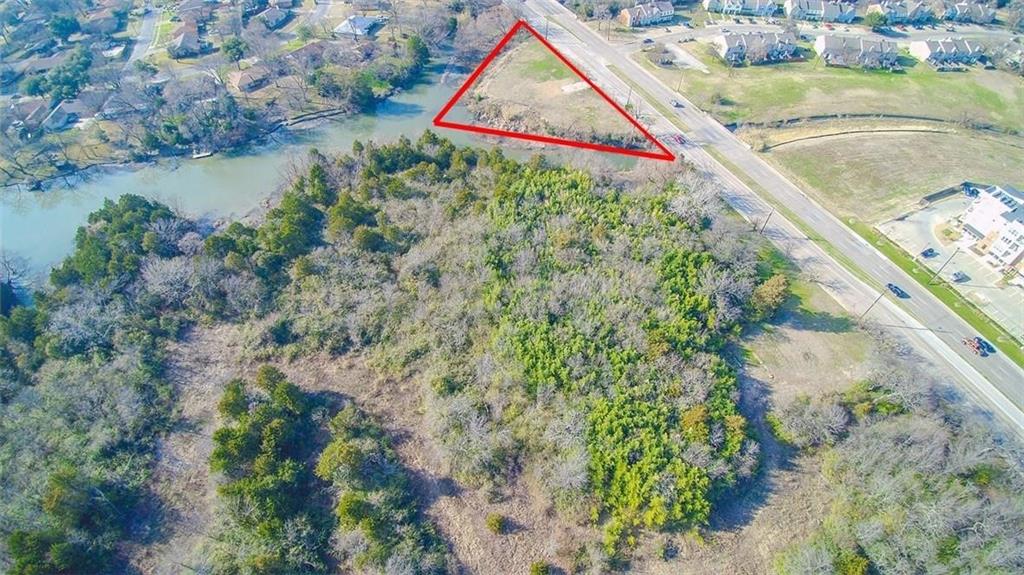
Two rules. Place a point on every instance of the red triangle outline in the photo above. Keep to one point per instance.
(440, 122)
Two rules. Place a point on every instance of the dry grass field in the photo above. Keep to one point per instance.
(877, 176)
(801, 89)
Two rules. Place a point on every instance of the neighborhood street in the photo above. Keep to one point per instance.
(935, 330)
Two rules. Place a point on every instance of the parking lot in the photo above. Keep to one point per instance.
(917, 232)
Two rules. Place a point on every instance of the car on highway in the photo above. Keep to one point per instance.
(985, 346)
(973, 345)
(929, 253)
(896, 290)
(676, 104)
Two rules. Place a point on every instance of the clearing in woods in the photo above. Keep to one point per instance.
(525, 89)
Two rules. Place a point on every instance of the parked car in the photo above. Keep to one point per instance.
(896, 290)
(929, 253)
(751, 20)
(960, 277)
(648, 41)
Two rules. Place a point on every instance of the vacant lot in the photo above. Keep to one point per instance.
(527, 89)
(800, 89)
(876, 176)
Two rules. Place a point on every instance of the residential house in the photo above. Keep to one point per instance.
(25, 112)
(67, 112)
(358, 26)
(647, 14)
(901, 11)
(251, 79)
(756, 47)
(993, 226)
(273, 17)
(820, 10)
(309, 56)
(863, 51)
(197, 12)
(105, 21)
(30, 66)
(744, 7)
(185, 42)
(977, 12)
(947, 51)
(284, 3)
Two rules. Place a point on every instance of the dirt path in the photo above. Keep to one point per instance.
(198, 368)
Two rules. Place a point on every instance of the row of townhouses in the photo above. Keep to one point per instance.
(895, 11)
(862, 51)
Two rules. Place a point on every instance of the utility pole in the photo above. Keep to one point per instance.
(861, 316)
(936, 274)
(768, 217)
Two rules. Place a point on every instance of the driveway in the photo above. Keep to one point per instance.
(915, 232)
(146, 34)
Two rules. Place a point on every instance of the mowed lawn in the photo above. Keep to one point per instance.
(873, 177)
(800, 89)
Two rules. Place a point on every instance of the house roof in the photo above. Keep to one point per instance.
(951, 45)
(754, 40)
(357, 25)
(273, 16)
(650, 10)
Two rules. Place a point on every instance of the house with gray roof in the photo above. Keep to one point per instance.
(863, 51)
(947, 51)
(358, 26)
(756, 47)
(901, 11)
(976, 12)
(820, 10)
(744, 7)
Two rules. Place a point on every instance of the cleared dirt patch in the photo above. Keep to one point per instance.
(199, 366)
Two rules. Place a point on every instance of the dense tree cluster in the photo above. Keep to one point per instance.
(917, 487)
(379, 523)
(551, 297)
(273, 524)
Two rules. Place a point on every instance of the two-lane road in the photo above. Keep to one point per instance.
(933, 328)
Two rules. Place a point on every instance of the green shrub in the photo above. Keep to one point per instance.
(496, 523)
(540, 568)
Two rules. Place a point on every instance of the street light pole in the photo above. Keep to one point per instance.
(861, 316)
(936, 274)
(768, 217)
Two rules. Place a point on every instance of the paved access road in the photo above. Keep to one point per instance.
(931, 327)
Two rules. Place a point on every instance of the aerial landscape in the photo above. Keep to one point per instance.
(511, 287)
